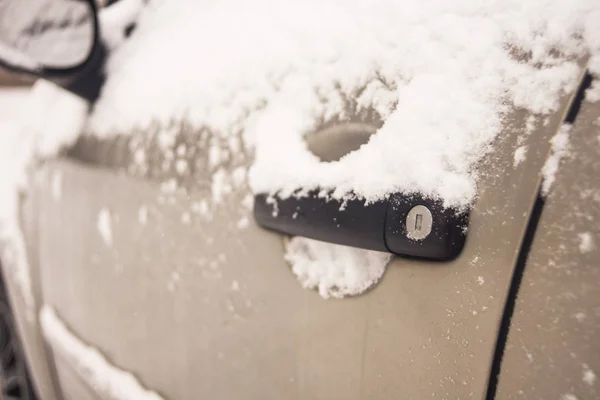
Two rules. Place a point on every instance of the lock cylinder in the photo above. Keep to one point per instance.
(422, 227)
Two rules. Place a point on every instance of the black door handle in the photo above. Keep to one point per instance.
(408, 225)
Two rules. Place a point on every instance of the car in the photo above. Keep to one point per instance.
(186, 171)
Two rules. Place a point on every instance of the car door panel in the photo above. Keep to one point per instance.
(194, 306)
(553, 344)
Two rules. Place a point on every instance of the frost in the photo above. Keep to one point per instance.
(520, 154)
(568, 396)
(89, 364)
(235, 286)
(335, 271)
(104, 227)
(441, 76)
(560, 143)
(586, 242)
(480, 280)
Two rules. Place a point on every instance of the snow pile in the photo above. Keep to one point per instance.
(111, 382)
(560, 144)
(49, 118)
(348, 271)
(440, 75)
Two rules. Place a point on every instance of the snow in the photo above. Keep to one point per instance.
(349, 271)
(440, 76)
(586, 242)
(200, 207)
(58, 119)
(560, 143)
(143, 215)
(580, 317)
(593, 93)
(186, 218)
(243, 223)
(520, 154)
(115, 19)
(181, 166)
(104, 226)
(589, 376)
(91, 366)
(435, 85)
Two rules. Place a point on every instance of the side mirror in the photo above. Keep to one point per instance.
(55, 39)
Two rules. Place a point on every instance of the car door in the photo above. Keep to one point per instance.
(551, 348)
(197, 303)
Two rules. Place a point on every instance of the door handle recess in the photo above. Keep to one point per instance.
(407, 225)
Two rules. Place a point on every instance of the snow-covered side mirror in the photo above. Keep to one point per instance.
(54, 39)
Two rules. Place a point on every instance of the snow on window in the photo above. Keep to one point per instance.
(560, 143)
(109, 380)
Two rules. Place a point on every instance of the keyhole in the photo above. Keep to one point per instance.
(418, 222)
